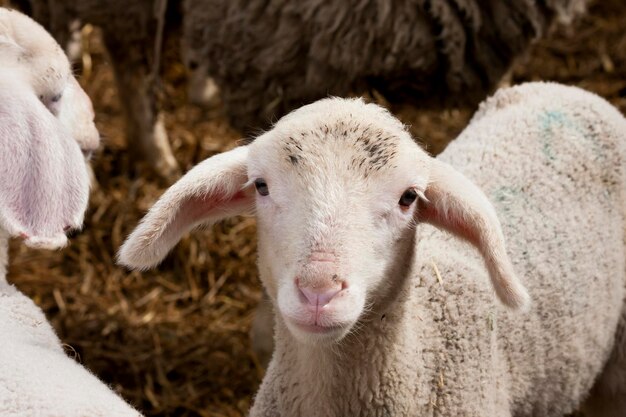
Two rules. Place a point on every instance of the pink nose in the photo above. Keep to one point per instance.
(320, 296)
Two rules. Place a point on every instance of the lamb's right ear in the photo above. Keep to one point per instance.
(452, 202)
(213, 190)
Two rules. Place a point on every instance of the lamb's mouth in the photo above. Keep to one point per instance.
(311, 331)
(320, 329)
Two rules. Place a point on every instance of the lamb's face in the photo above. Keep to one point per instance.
(76, 113)
(336, 195)
(31, 51)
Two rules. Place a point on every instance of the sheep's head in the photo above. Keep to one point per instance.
(46, 120)
(337, 188)
(337, 184)
(27, 48)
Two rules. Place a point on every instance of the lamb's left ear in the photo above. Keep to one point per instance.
(44, 183)
(455, 204)
(211, 191)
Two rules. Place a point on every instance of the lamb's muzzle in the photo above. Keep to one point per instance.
(320, 290)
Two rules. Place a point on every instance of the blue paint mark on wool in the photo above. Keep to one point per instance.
(551, 120)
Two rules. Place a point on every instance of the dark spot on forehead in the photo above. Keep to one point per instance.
(376, 147)
(368, 148)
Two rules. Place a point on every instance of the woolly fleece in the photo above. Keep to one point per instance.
(37, 378)
(270, 57)
(44, 187)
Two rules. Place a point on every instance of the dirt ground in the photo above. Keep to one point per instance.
(174, 341)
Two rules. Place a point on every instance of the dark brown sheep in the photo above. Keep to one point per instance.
(269, 57)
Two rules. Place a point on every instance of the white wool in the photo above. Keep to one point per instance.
(46, 120)
(37, 378)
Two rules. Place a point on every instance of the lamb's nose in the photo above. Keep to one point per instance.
(320, 296)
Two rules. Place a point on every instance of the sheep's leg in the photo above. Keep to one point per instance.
(608, 396)
(138, 90)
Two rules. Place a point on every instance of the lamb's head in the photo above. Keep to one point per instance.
(340, 186)
(46, 120)
(26, 47)
(337, 184)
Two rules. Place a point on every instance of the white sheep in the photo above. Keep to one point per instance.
(46, 120)
(378, 313)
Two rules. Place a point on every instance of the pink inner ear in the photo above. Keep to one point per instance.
(197, 209)
(452, 221)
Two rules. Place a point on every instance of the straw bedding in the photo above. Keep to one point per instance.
(174, 341)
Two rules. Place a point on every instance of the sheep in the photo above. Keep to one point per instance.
(382, 308)
(128, 31)
(267, 58)
(46, 120)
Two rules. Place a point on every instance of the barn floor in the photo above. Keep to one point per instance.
(175, 341)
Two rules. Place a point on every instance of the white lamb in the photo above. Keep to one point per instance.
(381, 314)
(46, 120)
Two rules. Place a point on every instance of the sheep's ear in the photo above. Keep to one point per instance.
(454, 203)
(44, 184)
(213, 190)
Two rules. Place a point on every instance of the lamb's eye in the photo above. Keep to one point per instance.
(56, 98)
(408, 198)
(261, 186)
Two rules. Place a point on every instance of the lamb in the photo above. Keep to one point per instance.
(128, 31)
(46, 120)
(268, 58)
(381, 306)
